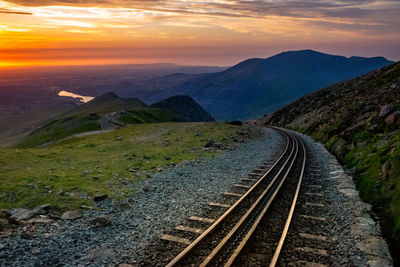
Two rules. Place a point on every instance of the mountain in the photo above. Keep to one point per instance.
(258, 86)
(107, 103)
(358, 120)
(184, 106)
(108, 111)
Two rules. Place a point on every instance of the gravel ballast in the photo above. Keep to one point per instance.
(160, 203)
(353, 237)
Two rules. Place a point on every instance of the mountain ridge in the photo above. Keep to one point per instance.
(108, 112)
(259, 85)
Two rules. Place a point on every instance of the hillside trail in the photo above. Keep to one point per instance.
(106, 127)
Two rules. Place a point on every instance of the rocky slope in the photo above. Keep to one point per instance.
(358, 120)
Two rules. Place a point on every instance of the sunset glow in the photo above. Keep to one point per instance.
(214, 32)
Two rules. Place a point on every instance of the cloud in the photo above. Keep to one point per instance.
(15, 12)
(350, 9)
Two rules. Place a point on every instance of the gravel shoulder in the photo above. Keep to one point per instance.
(160, 203)
(353, 237)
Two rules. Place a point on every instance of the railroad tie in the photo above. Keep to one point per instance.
(220, 205)
(242, 186)
(230, 194)
(259, 170)
(314, 194)
(189, 229)
(201, 219)
(315, 186)
(316, 251)
(249, 180)
(176, 239)
(315, 237)
(319, 205)
(309, 264)
(254, 174)
(321, 219)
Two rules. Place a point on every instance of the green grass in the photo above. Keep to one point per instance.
(366, 157)
(149, 115)
(59, 129)
(112, 160)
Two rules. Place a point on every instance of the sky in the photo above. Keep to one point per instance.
(200, 32)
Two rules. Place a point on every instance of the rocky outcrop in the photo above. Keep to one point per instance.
(71, 215)
(385, 110)
(184, 106)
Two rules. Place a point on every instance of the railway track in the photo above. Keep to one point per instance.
(224, 241)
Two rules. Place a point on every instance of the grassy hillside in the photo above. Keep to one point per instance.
(16, 127)
(106, 103)
(70, 173)
(59, 129)
(358, 120)
(149, 115)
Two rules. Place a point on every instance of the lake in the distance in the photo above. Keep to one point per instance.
(83, 99)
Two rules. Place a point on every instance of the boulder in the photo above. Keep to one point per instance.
(100, 221)
(148, 188)
(214, 145)
(209, 143)
(39, 221)
(218, 145)
(374, 246)
(41, 210)
(17, 215)
(392, 118)
(386, 168)
(71, 215)
(385, 110)
(100, 197)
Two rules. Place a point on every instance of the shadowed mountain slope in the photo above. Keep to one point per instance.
(186, 107)
(258, 86)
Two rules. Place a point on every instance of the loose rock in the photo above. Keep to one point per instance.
(71, 215)
(100, 197)
(100, 221)
(385, 110)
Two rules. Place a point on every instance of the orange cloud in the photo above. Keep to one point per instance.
(179, 30)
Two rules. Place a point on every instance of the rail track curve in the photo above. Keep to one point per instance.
(223, 243)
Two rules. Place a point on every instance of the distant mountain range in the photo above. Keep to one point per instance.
(255, 86)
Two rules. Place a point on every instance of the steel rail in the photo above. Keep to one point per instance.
(217, 223)
(289, 219)
(247, 216)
